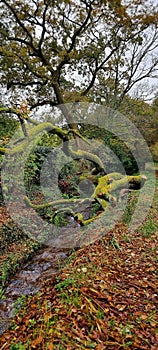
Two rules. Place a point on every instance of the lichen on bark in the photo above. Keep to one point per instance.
(105, 184)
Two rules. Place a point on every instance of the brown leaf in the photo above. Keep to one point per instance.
(144, 316)
(50, 347)
(37, 341)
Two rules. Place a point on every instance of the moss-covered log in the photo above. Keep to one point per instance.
(105, 184)
(64, 135)
(131, 182)
(31, 133)
(102, 194)
(56, 202)
(81, 154)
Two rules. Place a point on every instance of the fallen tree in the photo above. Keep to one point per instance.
(106, 185)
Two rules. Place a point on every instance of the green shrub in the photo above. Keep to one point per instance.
(124, 154)
(8, 126)
(115, 145)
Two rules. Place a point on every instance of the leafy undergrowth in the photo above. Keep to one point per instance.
(104, 298)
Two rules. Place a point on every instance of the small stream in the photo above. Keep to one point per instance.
(29, 280)
(41, 266)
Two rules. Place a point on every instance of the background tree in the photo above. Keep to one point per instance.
(134, 61)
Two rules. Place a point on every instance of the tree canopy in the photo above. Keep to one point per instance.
(54, 52)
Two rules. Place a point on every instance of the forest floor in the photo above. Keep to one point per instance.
(105, 297)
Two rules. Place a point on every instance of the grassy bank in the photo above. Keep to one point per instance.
(16, 248)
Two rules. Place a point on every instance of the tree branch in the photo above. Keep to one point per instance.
(43, 27)
(43, 103)
(77, 32)
(19, 22)
(20, 83)
(98, 68)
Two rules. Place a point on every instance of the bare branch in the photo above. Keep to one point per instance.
(76, 34)
(97, 69)
(24, 84)
(43, 27)
(43, 103)
(19, 22)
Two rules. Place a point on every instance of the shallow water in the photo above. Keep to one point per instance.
(29, 279)
(43, 264)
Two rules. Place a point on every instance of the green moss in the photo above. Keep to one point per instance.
(102, 194)
(54, 203)
(87, 155)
